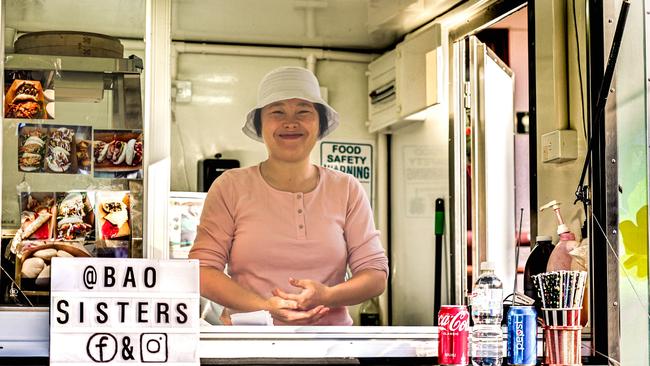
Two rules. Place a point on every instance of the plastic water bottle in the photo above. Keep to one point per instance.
(486, 340)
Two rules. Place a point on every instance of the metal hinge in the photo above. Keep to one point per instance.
(467, 94)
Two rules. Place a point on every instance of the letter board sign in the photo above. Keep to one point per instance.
(124, 311)
(351, 158)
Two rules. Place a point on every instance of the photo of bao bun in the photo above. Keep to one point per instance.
(60, 156)
(75, 216)
(35, 258)
(37, 216)
(31, 147)
(54, 148)
(117, 150)
(113, 215)
(84, 153)
(24, 99)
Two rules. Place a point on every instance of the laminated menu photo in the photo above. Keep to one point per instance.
(60, 154)
(34, 260)
(84, 150)
(113, 215)
(54, 148)
(29, 94)
(31, 147)
(37, 218)
(118, 153)
(75, 216)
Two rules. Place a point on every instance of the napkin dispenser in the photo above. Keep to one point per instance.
(211, 168)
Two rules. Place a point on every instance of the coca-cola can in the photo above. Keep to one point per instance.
(453, 335)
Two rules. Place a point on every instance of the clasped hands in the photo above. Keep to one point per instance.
(303, 308)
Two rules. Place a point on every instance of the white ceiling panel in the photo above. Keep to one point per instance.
(351, 24)
(118, 18)
(315, 23)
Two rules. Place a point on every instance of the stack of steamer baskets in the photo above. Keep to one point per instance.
(68, 43)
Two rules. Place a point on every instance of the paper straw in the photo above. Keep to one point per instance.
(553, 288)
(560, 276)
(560, 296)
(547, 298)
(575, 278)
(540, 290)
(583, 280)
(569, 289)
(546, 290)
(579, 289)
(565, 289)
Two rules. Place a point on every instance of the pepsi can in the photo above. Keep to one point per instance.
(522, 335)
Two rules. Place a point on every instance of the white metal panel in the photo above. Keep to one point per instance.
(24, 332)
(403, 16)
(381, 75)
(224, 89)
(499, 170)
(317, 342)
(368, 24)
(325, 23)
(419, 175)
(119, 18)
(411, 70)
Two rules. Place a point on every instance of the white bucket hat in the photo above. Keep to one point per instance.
(287, 83)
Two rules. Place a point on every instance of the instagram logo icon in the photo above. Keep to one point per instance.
(153, 347)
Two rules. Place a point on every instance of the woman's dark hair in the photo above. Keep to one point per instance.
(322, 120)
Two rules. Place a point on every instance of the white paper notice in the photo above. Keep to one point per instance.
(260, 317)
(425, 175)
(351, 158)
(126, 311)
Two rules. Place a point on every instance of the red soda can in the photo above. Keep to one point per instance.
(453, 335)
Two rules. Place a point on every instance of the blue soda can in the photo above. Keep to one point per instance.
(522, 335)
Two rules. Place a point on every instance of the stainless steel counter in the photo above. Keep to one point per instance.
(317, 342)
(24, 332)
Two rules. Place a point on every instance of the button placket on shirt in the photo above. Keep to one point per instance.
(300, 216)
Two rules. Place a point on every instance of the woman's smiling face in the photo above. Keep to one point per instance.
(290, 129)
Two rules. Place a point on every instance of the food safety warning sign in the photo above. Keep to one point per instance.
(351, 158)
(127, 311)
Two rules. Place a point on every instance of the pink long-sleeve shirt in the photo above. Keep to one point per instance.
(266, 235)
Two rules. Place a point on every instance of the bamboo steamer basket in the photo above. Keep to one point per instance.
(68, 43)
(75, 249)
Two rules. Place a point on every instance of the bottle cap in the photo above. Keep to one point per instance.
(543, 238)
(487, 266)
(562, 228)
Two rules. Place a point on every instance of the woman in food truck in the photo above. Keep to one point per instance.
(288, 229)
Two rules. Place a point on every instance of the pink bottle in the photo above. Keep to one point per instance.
(560, 259)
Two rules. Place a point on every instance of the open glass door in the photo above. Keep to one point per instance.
(491, 120)
(73, 143)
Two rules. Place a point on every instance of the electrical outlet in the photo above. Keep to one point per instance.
(559, 146)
